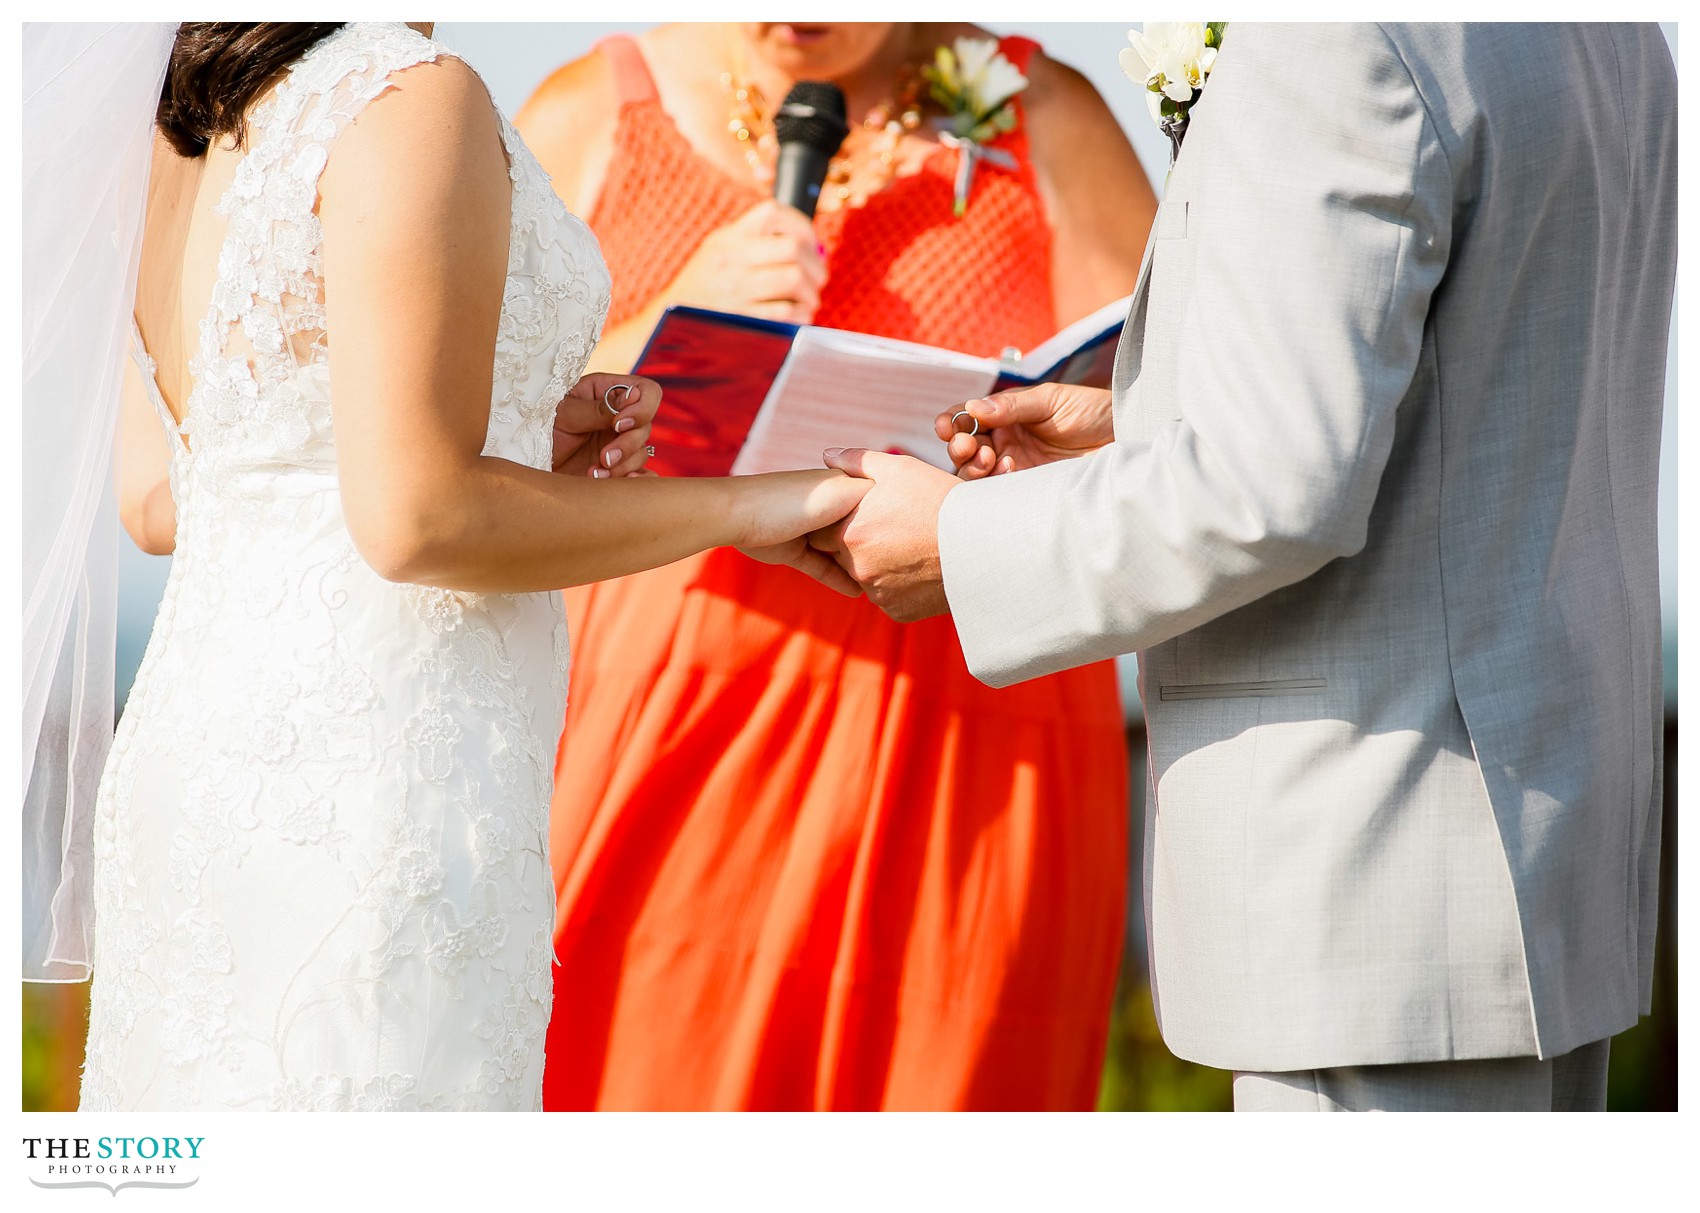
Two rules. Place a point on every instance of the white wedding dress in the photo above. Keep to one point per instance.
(322, 870)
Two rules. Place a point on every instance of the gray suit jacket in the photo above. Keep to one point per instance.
(1380, 518)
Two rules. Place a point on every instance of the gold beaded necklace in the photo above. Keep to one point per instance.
(854, 176)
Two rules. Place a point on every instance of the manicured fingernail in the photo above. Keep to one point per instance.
(612, 455)
(599, 473)
(624, 424)
(832, 452)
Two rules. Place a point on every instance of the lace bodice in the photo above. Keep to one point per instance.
(322, 874)
(261, 372)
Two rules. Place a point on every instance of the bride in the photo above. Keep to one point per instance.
(358, 417)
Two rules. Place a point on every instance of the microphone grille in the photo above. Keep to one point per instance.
(813, 113)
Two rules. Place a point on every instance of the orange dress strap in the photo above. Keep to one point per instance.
(632, 82)
(1019, 51)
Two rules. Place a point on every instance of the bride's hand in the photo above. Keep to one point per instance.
(783, 507)
(592, 441)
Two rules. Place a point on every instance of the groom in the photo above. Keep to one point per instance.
(1378, 512)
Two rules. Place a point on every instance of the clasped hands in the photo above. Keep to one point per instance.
(888, 544)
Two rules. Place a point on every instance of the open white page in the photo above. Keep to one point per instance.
(1045, 356)
(852, 390)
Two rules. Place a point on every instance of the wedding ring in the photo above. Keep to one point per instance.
(970, 416)
(626, 391)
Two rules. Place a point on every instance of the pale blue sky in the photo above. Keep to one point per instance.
(514, 56)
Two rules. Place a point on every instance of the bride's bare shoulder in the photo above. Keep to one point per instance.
(442, 95)
(436, 115)
(431, 142)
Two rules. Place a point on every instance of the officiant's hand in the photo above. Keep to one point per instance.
(592, 441)
(1026, 427)
(890, 542)
(766, 262)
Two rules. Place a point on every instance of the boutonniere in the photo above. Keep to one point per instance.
(976, 86)
(1172, 59)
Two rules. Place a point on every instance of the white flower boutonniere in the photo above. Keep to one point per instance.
(1173, 60)
(976, 86)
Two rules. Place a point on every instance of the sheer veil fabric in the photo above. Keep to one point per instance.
(89, 95)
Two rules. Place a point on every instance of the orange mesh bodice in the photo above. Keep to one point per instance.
(898, 266)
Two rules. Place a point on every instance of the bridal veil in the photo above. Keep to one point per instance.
(89, 95)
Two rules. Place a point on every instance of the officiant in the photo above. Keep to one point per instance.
(803, 858)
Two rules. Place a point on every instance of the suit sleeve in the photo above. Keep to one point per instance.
(1314, 243)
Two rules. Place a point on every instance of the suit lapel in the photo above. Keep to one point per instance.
(1130, 350)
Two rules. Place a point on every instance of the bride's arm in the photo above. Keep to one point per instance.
(414, 205)
(145, 506)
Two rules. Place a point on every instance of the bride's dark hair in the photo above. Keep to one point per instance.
(216, 71)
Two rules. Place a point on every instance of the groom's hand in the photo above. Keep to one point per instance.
(890, 542)
(1026, 427)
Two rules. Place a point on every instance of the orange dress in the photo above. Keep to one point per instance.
(804, 859)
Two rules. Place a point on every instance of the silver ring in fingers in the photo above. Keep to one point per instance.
(970, 416)
(625, 390)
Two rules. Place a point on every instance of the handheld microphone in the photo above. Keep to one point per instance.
(810, 126)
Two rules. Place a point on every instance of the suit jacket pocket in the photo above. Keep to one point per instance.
(1170, 223)
(1242, 690)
